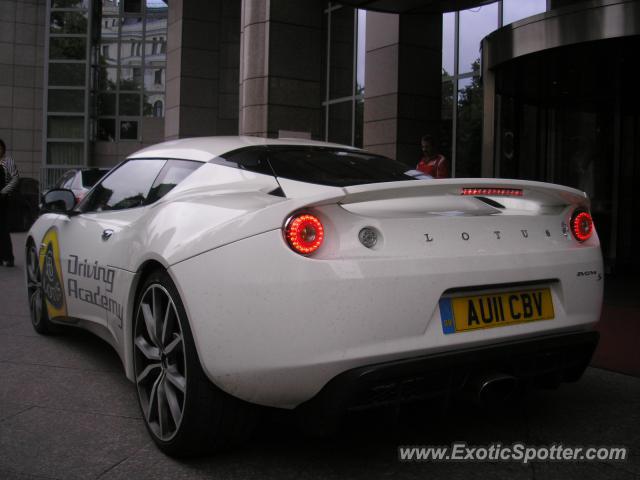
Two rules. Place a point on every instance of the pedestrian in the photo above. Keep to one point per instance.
(432, 163)
(9, 173)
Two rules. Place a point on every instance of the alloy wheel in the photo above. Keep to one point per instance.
(34, 287)
(160, 362)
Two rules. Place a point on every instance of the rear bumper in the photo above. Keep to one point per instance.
(274, 329)
(547, 360)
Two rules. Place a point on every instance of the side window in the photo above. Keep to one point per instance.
(69, 182)
(172, 174)
(127, 186)
(253, 159)
(75, 182)
(64, 180)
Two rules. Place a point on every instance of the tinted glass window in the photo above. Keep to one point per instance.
(324, 166)
(253, 159)
(338, 168)
(125, 187)
(172, 174)
(91, 177)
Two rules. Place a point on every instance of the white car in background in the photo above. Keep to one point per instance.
(232, 272)
(80, 180)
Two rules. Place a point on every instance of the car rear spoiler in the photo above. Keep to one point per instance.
(527, 194)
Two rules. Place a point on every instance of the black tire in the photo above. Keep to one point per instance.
(207, 419)
(35, 295)
(26, 219)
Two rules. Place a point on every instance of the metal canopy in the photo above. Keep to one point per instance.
(414, 6)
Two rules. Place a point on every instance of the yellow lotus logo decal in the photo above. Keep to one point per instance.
(52, 284)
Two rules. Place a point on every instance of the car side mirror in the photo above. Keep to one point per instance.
(59, 200)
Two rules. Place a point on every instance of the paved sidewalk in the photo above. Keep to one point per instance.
(68, 412)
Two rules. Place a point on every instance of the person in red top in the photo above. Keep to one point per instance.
(432, 163)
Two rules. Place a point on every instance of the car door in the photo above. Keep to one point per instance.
(127, 233)
(89, 242)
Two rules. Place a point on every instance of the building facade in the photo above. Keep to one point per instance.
(536, 89)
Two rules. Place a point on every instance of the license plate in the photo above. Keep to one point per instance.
(462, 314)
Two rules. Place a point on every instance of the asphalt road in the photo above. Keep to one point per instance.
(67, 411)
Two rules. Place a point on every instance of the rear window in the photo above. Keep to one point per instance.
(323, 166)
(91, 177)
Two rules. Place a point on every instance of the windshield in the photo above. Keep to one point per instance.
(91, 177)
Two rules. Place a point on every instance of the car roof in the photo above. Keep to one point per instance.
(204, 149)
(86, 169)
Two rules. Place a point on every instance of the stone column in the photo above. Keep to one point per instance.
(202, 66)
(403, 82)
(281, 74)
(21, 76)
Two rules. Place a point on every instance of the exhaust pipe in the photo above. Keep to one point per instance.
(492, 388)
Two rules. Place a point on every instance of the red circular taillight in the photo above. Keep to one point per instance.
(304, 233)
(581, 225)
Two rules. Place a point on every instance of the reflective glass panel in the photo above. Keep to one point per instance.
(153, 105)
(340, 122)
(130, 78)
(68, 22)
(67, 74)
(65, 127)
(106, 129)
(514, 10)
(109, 27)
(65, 153)
(341, 53)
(361, 51)
(446, 123)
(154, 6)
(448, 43)
(475, 24)
(469, 129)
(132, 6)
(131, 53)
(156, 27)
(106, 104)
(108, 52)
(130, 104)
(128, 130)
(153, 52)
(154, 79)
(131, 29)
(107, 78)
(63, 48)
(70, 3)
(66, 101)
(359, 123)
(110, 7)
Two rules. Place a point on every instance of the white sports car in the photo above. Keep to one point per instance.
(231, 272)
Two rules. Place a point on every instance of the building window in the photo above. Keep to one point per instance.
(462, 98)
(66, 125)
(129, 72)
(344, 87)
(157, 108)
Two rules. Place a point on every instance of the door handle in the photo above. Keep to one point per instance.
(106, 234)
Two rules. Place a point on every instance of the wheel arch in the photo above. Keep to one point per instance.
(146, 268)
(25, 251)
